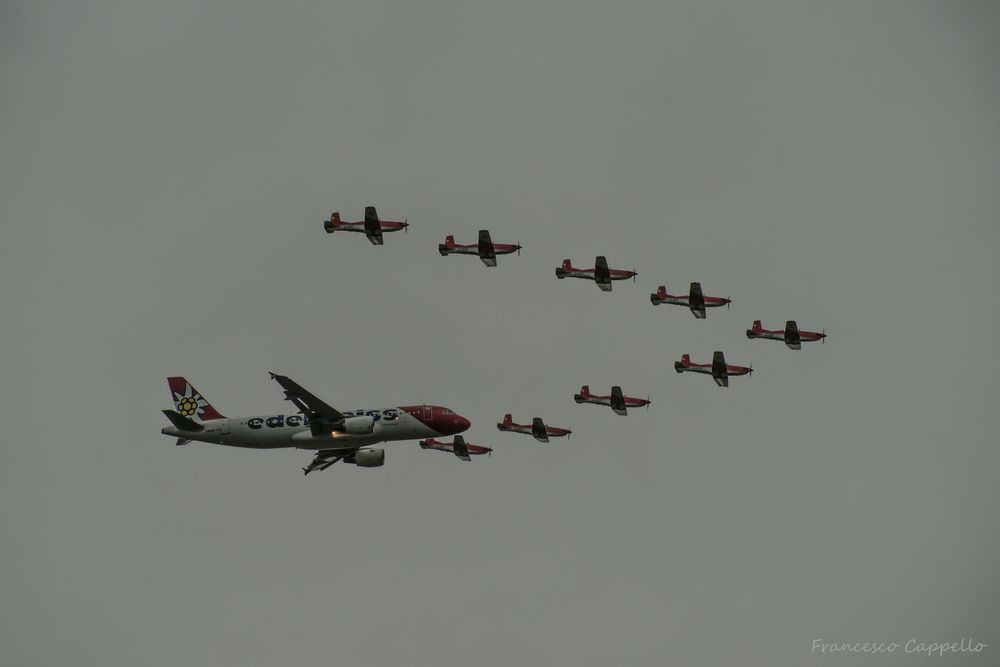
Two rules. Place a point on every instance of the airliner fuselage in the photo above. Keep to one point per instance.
(277, 431)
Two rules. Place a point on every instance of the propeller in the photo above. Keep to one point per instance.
(634, 274)
(750, 374)
(728, 302)
(518, 248)
(406, 225)
(647, 401)
(823, 339)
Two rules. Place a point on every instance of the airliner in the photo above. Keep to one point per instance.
(334, 435)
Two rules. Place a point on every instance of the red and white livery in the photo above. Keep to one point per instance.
(538, 429)
(718, 369)
(695, 299)
(336, 436)
(458, 446)
(617, 401)
(485, 249)
(371, 226)
(600, 274)
(791, 334)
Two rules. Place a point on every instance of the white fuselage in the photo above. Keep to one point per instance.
(278, 431)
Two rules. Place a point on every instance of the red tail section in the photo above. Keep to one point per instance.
(661, 292)
(757, 328)
(567, 265)
(585, 389)
(686, 359)
(507, 420)
(189, 402)
(330, 226)
(449, 241)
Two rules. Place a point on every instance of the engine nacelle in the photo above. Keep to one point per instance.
(362, 425)
(369, 458)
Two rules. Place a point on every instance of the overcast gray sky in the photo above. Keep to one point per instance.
(165, 168)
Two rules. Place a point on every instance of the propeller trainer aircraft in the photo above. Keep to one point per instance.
(537, 429)
(486, 249)
(336, 436)
(618, 402)
(718, 369)
(695, 300)
(371, 226)
(600, 274)
(790, 334)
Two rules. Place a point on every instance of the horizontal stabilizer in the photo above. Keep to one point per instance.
(182, 423)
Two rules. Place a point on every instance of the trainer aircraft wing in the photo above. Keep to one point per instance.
(696, 301)
(602, 274)
(793, 338)
(307, 403)
(538, 430)
(461, 449)
(618, 400)
(373, 228)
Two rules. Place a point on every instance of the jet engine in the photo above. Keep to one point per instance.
(369, 458)
(363, 425)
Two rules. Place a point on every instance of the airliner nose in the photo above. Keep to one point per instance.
(460, 424)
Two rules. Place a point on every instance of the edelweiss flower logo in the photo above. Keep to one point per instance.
(189, 402)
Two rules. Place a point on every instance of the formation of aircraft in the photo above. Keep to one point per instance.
(600, 274)
(537, 429)
(350, 436)
(617, 401)
(334, 435)
(458, 446)
(695, 299)
(371, 226)
(718, 369)
(486, 249)
(790, 334)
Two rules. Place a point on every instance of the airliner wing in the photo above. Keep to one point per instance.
(307, 403)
